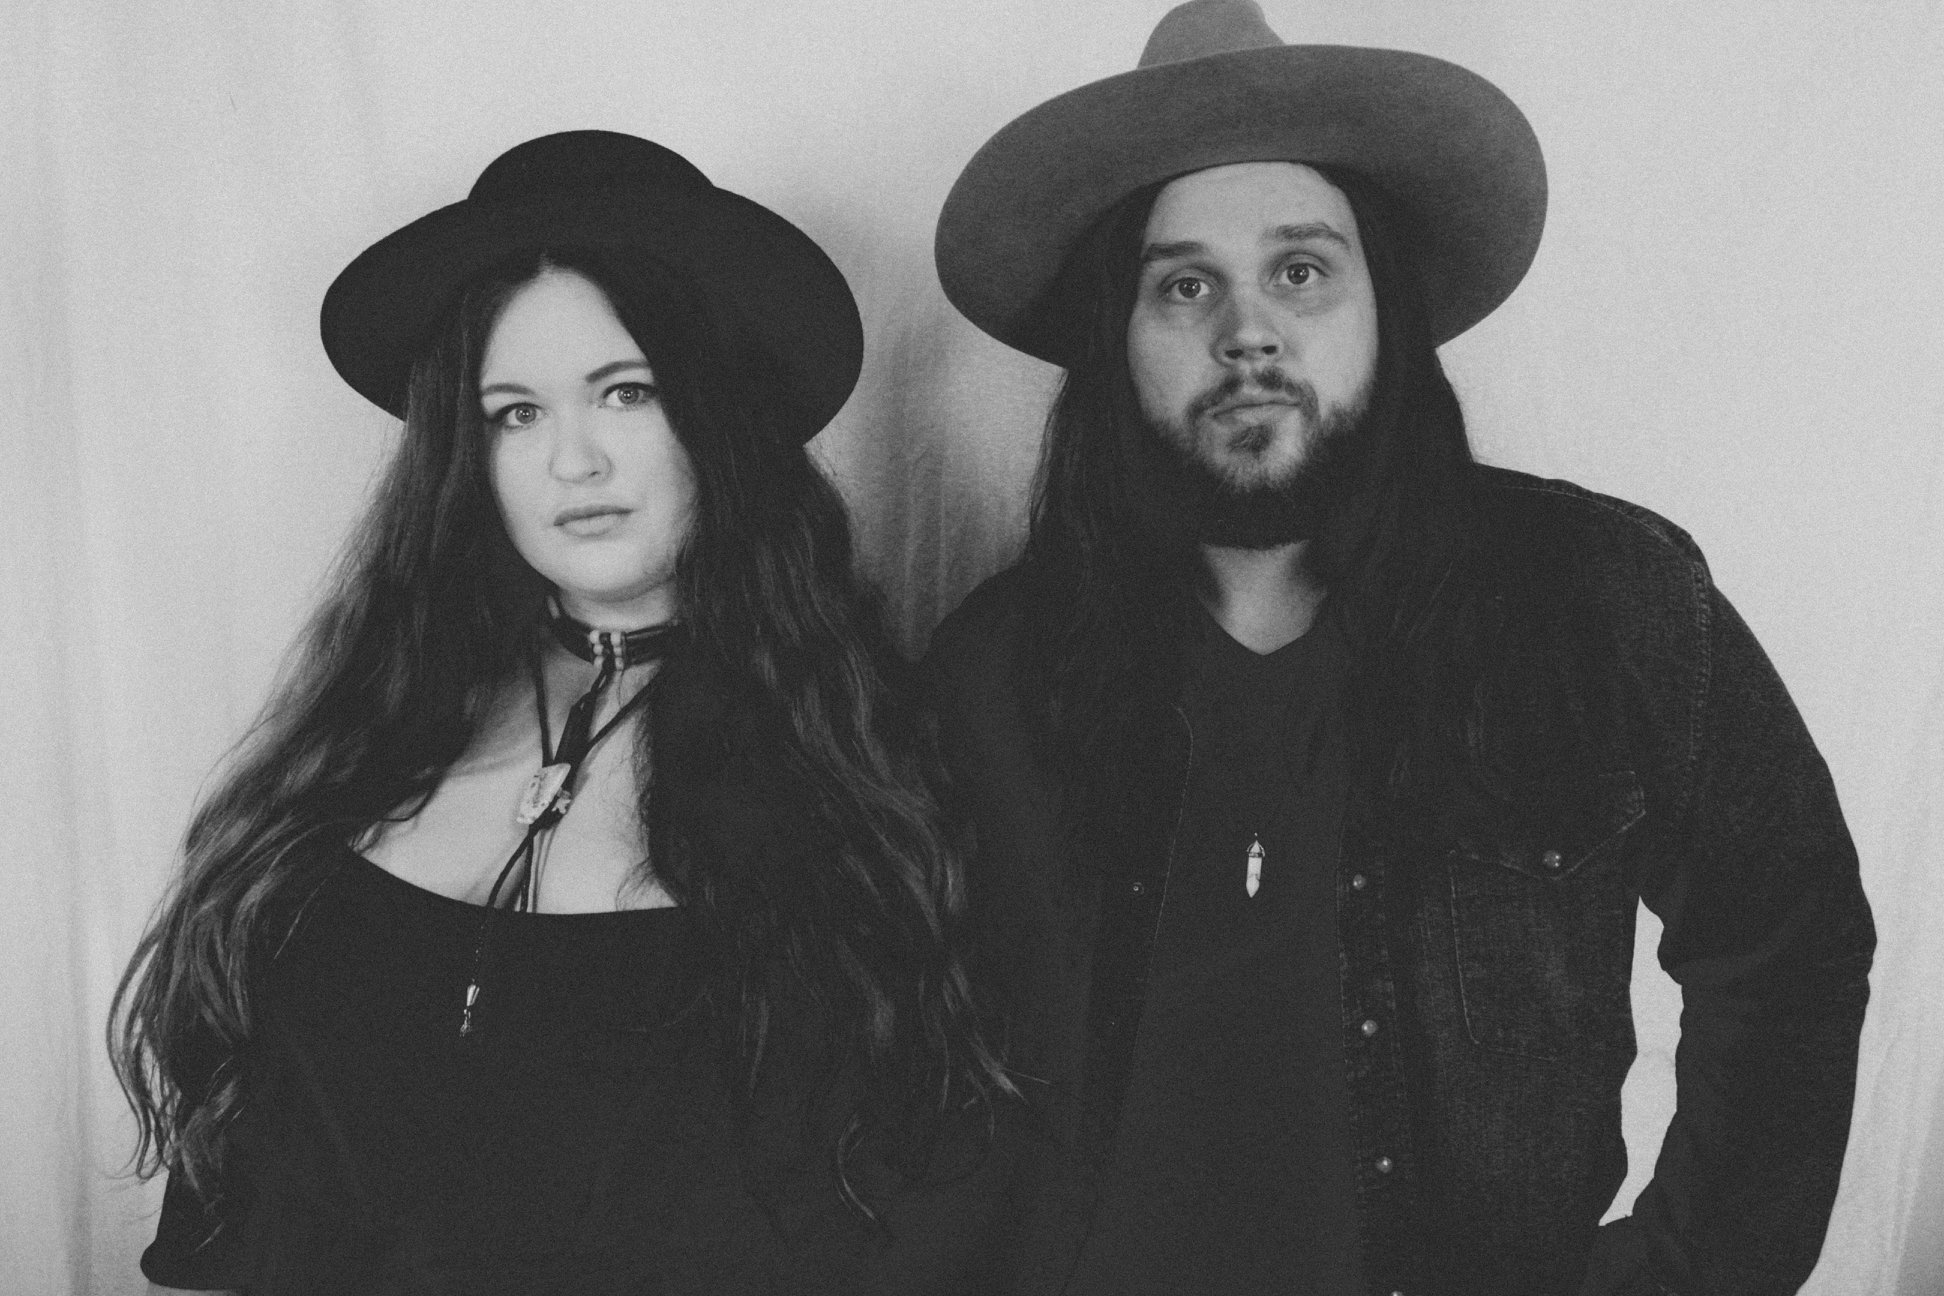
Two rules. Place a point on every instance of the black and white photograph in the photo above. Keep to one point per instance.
(972, 648)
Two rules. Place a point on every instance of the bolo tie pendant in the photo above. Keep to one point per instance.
(546, 791)
(1252, 882)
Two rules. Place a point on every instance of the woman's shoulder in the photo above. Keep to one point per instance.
(985, 630)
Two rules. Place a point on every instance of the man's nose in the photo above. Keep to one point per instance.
(1247, 334)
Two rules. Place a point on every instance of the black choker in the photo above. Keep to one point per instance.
(626, 647)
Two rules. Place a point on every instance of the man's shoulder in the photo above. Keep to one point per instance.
(1605, 535)
(1520, 508)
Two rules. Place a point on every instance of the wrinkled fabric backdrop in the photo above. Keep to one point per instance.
(1734, 319)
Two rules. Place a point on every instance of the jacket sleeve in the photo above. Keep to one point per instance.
(1769, 936)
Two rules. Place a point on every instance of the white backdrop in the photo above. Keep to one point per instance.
(1735, 319)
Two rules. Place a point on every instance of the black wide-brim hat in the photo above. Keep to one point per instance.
(623, 197)
(1216, 86)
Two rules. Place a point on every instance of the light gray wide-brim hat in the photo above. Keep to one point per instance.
(1216, 86)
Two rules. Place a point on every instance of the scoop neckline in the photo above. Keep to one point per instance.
(433, 899)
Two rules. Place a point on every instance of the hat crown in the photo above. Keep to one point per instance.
(584, 161)
(1203, 27)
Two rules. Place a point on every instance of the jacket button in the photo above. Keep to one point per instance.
(1136, 887)
(1369, 1027)
(1383, 1165)
(1358, 881)
(1551, 859)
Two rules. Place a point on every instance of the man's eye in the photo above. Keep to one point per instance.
(1298, 273)
(632, 393)
(1186, 288)
(518, 415)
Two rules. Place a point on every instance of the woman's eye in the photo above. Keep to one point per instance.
(1298, 273)
(514, 416)
(632, 393)
(1186, 288)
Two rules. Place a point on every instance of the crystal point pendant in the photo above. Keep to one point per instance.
(547, 789)
(1253, 882)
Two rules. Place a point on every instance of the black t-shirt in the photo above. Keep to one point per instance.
(581, 1140)
(1233, 1167)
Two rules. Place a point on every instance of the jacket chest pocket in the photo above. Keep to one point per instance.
(1542, 929)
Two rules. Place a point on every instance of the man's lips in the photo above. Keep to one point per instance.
(1265, 392)
(1245, 404)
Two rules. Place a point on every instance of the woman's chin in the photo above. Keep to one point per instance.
(616, 606)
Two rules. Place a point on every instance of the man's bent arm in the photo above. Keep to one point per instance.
(1770, 938)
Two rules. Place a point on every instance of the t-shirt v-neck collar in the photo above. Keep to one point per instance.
(1230, 653)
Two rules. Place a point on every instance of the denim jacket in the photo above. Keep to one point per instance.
(1487, 1027)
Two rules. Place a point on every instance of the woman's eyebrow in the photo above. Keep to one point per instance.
(605, 371)
(618, 366)
(1170, 251)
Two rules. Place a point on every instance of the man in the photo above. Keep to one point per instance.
(1316, 771)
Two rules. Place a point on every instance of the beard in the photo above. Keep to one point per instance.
(1279, 510)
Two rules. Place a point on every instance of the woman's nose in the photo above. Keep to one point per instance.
(577, 454)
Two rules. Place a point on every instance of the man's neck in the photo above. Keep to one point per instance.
(1263, 598)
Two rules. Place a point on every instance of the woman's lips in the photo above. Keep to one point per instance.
(586, 523)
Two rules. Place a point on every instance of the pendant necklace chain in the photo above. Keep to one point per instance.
(550, 793)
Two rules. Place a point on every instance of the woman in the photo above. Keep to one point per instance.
(574, 919)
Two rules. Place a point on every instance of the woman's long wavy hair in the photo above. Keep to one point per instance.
(1111, 543)
(434, 615)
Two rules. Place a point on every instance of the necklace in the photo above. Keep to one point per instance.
(631, 647)
(550, 793)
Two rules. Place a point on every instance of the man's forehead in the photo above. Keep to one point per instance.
(1266, 201)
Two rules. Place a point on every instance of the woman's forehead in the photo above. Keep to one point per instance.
(557, 323)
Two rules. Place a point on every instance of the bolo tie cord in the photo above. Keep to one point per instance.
(551, 793)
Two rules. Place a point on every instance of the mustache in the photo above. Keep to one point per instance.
(1266, 381)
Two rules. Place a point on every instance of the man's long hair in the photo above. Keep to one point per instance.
(1112, 546)
(843, 911)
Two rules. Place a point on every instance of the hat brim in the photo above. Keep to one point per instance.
(1443, 141)
(764, 274)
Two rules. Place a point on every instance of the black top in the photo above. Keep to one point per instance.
(1232, 1165)
(581, 1139)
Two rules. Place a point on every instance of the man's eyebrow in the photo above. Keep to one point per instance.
(1307, 231)
(605, 371)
